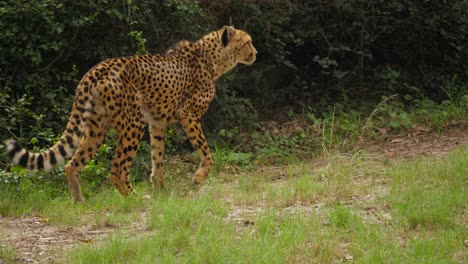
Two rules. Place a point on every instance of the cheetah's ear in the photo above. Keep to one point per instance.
(227, 34)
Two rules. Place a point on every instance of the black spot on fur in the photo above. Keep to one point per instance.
(40, 162)
(70, 141)
(23, 162)
(93, 122)
(62, 151)
(53, 160)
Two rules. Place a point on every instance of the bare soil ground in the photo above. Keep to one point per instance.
(35, 240)
(421, 141)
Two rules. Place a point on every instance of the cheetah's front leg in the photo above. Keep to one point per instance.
(193, 129)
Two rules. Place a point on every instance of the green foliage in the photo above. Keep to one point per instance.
(269, 147)
(97, 170)
(352, 49)
(29, 187)
(226, 156)
(44, 48)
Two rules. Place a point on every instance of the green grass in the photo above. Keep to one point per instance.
(334, 209)
(7, 253)
(201, 235)
(430, 194)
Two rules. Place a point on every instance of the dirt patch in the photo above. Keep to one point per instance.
(420, 141)
(36, 241)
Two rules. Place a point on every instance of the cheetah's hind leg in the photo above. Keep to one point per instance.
(93, 138)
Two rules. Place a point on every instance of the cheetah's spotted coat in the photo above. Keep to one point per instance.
(123, 93)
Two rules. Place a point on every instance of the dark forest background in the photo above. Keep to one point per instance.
(314, 54)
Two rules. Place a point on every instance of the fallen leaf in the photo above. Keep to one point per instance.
(85, 240)
(397, 140)
(421, 129)
(382, 131)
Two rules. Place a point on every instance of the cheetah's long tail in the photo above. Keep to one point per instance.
(47, 159)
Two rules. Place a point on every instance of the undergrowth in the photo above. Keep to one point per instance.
(337, 128)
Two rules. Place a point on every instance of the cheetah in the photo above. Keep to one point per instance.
(123, 93)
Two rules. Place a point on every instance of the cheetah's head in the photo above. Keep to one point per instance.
(238, 46)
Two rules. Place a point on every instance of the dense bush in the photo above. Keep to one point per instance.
(311, 53)
(353, 49)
